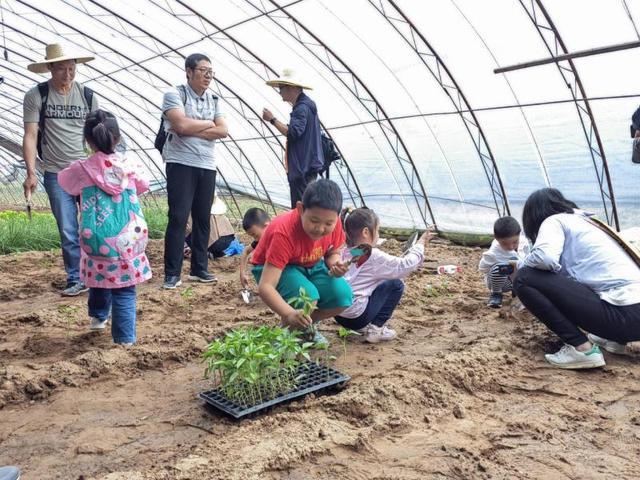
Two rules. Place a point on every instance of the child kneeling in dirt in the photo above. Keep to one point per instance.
(375, 276)
(301, 248)
(254, 222)
(113, 232)
(497, 263)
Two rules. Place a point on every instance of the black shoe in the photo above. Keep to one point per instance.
(495, 300)
(204, 277)
(171, 282)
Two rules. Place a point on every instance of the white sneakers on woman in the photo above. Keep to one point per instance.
(608, 345)
(373, 334)
(570, 358)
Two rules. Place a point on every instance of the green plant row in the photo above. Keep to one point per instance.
(255, 364)
(19, 234)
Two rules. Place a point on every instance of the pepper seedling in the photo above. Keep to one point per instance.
(344, 333)
(307, 304)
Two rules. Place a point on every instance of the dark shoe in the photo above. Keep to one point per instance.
(73, 289)
(495, 300)
(204, 277)
(171, 282)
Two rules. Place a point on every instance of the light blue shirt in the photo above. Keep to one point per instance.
(189, 150)
(569, 243)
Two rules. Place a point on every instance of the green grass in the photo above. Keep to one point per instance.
(18, 234)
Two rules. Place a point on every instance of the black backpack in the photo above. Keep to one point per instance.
(330, 153)
(43, 88)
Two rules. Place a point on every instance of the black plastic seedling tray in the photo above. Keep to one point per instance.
(315, 379)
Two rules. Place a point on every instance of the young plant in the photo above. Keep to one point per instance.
(69, 314)
(187, 295)
(344, 333)
(307, 304)
(253, 365)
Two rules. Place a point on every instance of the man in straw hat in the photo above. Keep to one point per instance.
(54, 112)
(303, 157)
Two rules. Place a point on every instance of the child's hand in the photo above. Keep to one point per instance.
(426, 237)
(244, 280)
(297, 319)
(338, 269)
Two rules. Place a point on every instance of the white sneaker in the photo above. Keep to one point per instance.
(608, 345)
(375, 334)
(97, 324)
(570, 358)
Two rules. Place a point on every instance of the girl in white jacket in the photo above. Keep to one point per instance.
(376, 281)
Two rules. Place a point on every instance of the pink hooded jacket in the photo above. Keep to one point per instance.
(113, 175)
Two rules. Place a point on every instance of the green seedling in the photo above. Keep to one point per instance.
(307, 304)
(187, 295)
(345, 333)
(68, 312)
(253, 365)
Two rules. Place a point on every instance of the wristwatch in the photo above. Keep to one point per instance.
(273, 121)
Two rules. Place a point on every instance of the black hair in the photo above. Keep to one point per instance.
(354, 222)
(506, 227)
(102, 131)
(254, 216)
(323, 193)
(192, 60)
(540, 205)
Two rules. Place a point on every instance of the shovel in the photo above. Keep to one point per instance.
(28, 206)
(246, 295)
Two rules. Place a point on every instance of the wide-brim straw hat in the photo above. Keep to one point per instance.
(289, 77)
(55, 53)
(218, 207)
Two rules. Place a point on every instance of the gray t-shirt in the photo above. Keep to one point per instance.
(188, 150)
(63, 140)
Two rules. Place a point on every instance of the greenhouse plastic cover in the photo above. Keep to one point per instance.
(407, 90)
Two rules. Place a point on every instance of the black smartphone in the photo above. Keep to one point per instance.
(505, 269)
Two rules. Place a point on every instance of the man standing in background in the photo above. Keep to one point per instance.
(304, 158)
(54, 114)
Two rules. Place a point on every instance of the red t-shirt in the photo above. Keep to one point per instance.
(284, 242)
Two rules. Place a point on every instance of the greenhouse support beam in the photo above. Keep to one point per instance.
(569, 56)
(366, 98)
(553, 41)
(438, 69)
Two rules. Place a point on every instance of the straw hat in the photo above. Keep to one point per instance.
(218, 207)
(288, 77)
(55, 53)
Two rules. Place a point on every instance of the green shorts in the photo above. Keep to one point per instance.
(330, 292)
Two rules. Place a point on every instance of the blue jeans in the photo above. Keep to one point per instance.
(65, 211)
(382, 303)
(121, 302)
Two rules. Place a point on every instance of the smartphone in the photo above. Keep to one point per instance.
(505, 269)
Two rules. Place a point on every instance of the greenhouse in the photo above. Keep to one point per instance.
(446, 117)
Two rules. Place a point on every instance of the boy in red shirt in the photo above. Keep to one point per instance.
(301, 248)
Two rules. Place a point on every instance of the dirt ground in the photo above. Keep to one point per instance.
(464, 391)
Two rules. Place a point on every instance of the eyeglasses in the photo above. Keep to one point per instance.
(207, 72)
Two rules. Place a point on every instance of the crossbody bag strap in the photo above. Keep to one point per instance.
(628, 248)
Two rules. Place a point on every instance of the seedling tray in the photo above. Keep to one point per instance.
(315, 379)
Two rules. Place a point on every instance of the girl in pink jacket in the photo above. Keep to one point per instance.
(113, 232)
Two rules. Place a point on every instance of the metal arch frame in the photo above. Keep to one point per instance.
(440, 72)
(47, 15)
(544, 24)
(347, 176)
(160, 41)
(366, 98)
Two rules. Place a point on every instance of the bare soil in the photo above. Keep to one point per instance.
(464, 391)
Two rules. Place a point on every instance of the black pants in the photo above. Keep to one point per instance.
(563, 305)
(189, 190)
(297, 187)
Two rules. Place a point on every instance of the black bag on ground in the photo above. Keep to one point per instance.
(330, 153)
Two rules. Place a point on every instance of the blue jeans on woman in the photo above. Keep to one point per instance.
(382, 303)
(65, 211)
(121, 303)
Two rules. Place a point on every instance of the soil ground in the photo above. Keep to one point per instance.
(464, 391)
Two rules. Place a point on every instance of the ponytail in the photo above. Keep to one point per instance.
(101, 130)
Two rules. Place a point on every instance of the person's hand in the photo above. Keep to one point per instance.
(426, 237)
(298, 320)
(338, 269)
(29, 185)
(267, 115)
(244, 280)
